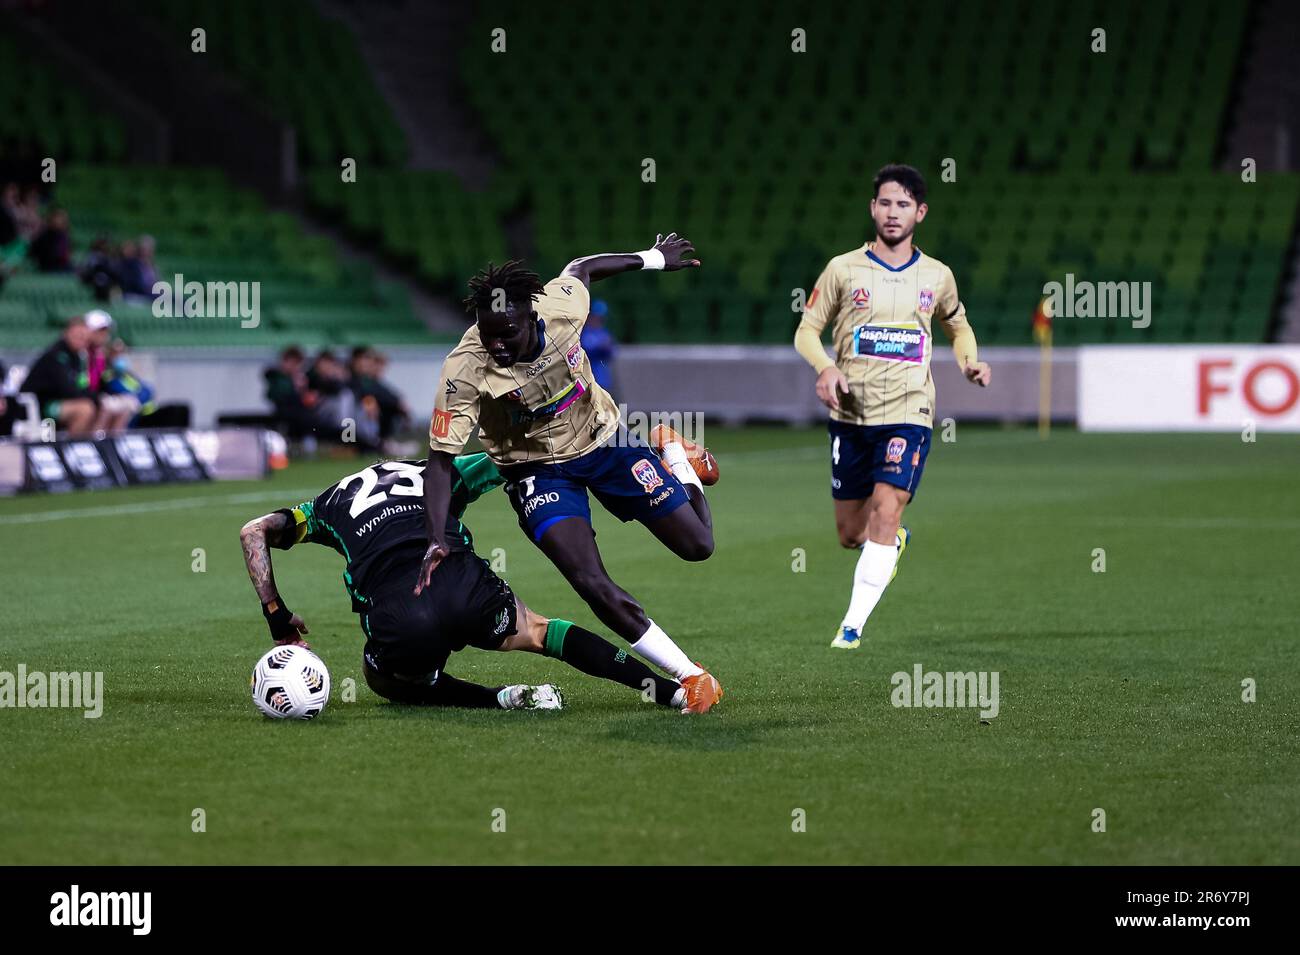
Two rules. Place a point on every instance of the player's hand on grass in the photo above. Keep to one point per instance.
(831, 383)
(677, 252)
(978, 372)
(432, 558)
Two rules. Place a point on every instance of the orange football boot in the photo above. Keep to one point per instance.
(700, 458)
(702, 691)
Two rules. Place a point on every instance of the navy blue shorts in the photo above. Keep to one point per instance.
(861, 455)
(630, 482)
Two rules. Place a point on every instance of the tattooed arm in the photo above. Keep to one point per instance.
(272, 530)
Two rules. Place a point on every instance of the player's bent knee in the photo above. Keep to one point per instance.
(852, 535)
(696, 549)
(852, 539)
(525, 638)
(530, 632)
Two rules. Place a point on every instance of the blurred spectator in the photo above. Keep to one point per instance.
(8, 214)
(599, 344)
(378, 398)
(317, 401)
(28, 214)
(148, 270)
(23, 210)
(61, 384)
(52, 247)
(128, 266)
(339, 405)
(6, 409)
(288, 392)
(13, 244)
(120, 383)
(99, 269)
(327, 374)
(136, 272)
(100, 325)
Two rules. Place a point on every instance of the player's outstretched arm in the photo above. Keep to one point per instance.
(668, 254)
(437, 499)
(257, 537)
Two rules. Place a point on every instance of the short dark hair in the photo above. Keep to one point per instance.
(908, 177)
(292, 352)
(519, 284)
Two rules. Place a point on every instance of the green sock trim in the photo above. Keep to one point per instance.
(555, 631)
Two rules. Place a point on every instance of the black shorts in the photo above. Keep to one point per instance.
(465, 604)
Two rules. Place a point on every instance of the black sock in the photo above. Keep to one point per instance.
(585, 651)
(446, 690)
(449, 691)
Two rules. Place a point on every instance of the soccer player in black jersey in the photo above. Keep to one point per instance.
(375, 519)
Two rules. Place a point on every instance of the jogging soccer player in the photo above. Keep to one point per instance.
(520, 374)
(880, 301)
(375, 519)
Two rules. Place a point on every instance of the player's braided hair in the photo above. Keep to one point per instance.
(519, 285)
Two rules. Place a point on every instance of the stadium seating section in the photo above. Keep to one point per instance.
(1067, 160)
(208, 230)
(38, 108)
(1059, 159)
(306, 68)
(310, 72)
(423, 220)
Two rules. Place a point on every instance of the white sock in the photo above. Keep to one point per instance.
(658, 648)
(674, 455)
(870, 578)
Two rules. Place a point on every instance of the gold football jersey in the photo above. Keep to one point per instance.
(881, 318)
(549, 409)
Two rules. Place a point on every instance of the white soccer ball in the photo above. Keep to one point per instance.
(290, 683)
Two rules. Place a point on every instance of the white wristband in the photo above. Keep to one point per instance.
(652, 259)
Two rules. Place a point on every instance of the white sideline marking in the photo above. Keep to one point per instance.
(147, 507)
(250, 497)
(796, 452)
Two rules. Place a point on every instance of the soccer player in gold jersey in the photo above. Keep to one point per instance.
(521, 376)
(880, 301)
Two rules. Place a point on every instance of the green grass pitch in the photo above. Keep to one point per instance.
(1119, 690)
